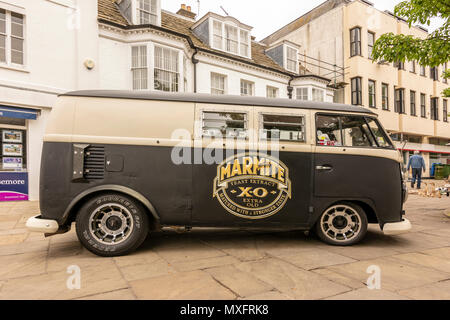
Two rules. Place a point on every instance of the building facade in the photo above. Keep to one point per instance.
(406, 96)
(48, 47)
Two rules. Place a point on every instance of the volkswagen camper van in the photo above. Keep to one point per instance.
(121, 164)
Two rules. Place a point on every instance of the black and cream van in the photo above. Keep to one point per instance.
(120, 164)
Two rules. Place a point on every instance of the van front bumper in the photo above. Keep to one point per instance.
(397, 227)
(37, 224)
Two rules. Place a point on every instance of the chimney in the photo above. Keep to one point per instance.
(185, 11)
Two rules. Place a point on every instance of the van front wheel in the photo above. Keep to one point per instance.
(112, 225)
(342, 224)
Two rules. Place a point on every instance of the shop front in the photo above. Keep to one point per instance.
(14, 178)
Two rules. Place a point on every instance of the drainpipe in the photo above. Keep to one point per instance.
(290, 88)
(195, 62)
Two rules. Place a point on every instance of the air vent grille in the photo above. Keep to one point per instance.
(94, 162)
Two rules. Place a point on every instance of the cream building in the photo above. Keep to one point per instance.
(407, 97)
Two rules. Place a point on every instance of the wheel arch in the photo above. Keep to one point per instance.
(76, 203)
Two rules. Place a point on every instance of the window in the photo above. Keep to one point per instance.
(247, 88)
(399, 65)
(356, 91)
(412, 66)
(379, 133)
(372, 94)
(318, 95)
(12, 37)
(400, 100)
(355, 42)
(244, 43)
(434, 73)
(272, 92)
(328, 131)
(423, 110)
(217, 83)
(147, 12)
(445, 111)
(217, 35)
(302, 94)
(2, 35)
(412, 101)
(282, 127)
(166, 69)
(139, 67)
(291, 59)
(350, 131)
(231, 39)
(385, 96)
(370, 43)
(422, 71)
(224, 125)
(434, 106)
(444, 68)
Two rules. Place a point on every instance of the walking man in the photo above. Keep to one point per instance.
(417, 164)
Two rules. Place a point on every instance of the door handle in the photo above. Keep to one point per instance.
(324, 168)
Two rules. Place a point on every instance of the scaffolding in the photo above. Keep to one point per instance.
(325, 69)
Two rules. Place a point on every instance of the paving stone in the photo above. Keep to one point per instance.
(21, 265)
(417, 241)
(314, 258)
(395, 275)
(94, 280)
(194, 285)
(339, 278)
(443, 253)
(243, 248)
(82, 259)
(123, 294)
(24, 247)
(271, 295)
(293, 281)
(426, 261)
(435, 291)
(200, 264)
(138, 257)
(242, 283)
(184, 249)
(367, 294)
(7, 239)
(152, 269)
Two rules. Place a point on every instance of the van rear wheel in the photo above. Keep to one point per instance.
(342, 224)
(112, 225)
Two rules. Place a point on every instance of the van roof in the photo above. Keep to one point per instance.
(217, 99)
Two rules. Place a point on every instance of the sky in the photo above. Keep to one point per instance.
(263, 16)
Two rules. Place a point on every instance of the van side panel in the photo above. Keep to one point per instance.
(356, 177)
(148, 170)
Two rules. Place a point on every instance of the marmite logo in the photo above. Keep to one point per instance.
(252, 186)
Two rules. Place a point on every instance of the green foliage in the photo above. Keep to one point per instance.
(432, 51)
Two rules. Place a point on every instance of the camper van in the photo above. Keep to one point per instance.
(122, 164)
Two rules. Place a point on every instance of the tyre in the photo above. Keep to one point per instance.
(112, 224)
(343, 224)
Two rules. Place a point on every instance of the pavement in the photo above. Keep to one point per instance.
(208, 264)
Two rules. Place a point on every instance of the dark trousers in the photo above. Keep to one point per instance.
(416, 174)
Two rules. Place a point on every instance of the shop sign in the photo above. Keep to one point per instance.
(13, 186)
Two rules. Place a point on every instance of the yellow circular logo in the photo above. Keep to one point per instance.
(252, 185)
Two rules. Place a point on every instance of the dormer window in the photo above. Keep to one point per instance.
(147, 11)
(285, 53)
(224, 34)
(291, 59)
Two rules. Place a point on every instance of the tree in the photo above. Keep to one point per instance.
(432, 51)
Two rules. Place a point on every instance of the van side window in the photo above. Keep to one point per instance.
(378, 132)
(224, 125)
(283, 127)
(328, 131)
(356, 133)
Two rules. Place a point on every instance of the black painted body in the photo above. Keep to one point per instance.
(183, 194)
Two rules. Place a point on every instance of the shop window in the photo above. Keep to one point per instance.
(13, 143)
